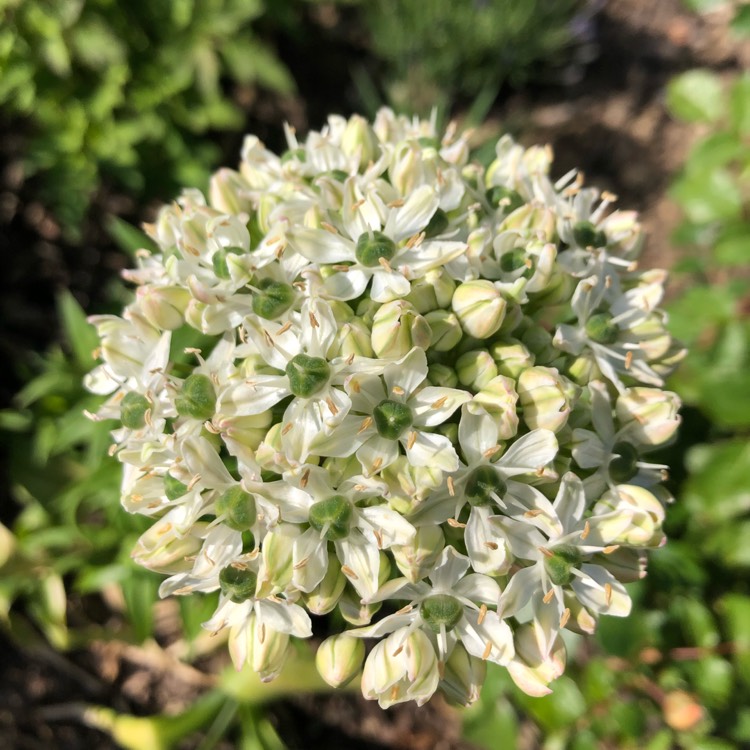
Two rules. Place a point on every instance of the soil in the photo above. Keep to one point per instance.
(610, 122)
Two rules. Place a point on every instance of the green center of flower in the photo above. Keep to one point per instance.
(482, 484)
(332, 517)
(307, 375)
(392, 419)
(601, 329)
(238, 509)
(174, 488)
(238, 583)
(587, 235)
(219, 261)
(437, 224)
(133, 410)
(441, 610)
(372, 246)
(197, 398)
(510, 199)
(272, 299)
(624, 466)
(515, 259)
(561, 564)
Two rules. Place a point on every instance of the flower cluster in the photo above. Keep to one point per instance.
(419, 392)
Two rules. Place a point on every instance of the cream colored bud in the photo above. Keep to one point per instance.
(476, 368)
(194, 314)
(325, 596)
(166, 549)
(406, 168)
(463, 676)
(626, 564)
(531, 669)
(511, 358)
(547, 398)
(539, 343)
(401, 668)
(339, 659)
(498, 398)
(480, 307)
(397, 328)
(409, 485)
(163, 307)
(276, 563)
(442, 376)
(359, 140)
(446, 330)
(630, 515)
(433, 291)
(229, 192)
(264, 649)
(649, 416)
(352, 337)
(416, 559)
(353, 611)
(247, 431)
(581, 621)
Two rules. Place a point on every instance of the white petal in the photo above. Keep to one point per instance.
(486, 544)
(388, 286)
(432, 450)
(414, 215)
(201, 459)
(254, 396)
(310, 560)
(432, 406)
(363, 562)
(570, 502)
(522, 586)
(407, 373)
(376, 454)
(391, 526)
(318, 327)
(346, 285)
(321, 246)
(477, 432)
(478, 588)
(529, 453)
(491, 640)
(599, 591)
(450, 569)
(284, 617)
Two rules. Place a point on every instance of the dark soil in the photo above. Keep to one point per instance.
(611, 123)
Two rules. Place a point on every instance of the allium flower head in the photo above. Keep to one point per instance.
(424, 395)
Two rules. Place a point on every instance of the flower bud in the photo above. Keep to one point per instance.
(498, 399)
(397, 328)
(416, 559)
(445, 328)
(463, 676)
(165, 549)
(401, 668)
(331, 517)
(539, 342)
(433, 291)
(648, 415)
(325, 596)
(276, 563)
(339, 659)
(352, 337)
(626, 565)
(359, 139)
(197, 398)
(630, 515)
(532, 670)
(264, 649)
(511, 358)
(442, 376)
(547, 398)
(229, 192)
(354, 611)
(480, 307)
(476, 368)
(163, 307)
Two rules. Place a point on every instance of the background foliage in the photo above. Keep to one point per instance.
(134, 94)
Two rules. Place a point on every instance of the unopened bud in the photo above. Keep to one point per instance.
(498, 399)
(416, 559)
(339, 659)
(163, 307)
(359, 139)
(433, 291)
(463, 676)
(397, 328)
(442, 376)
(547, 398)
(197, 398)
(445, 328)
(649, 416)
(511, 358)
(325, 596)
(237, 508)
(476, 368)
(480, 307)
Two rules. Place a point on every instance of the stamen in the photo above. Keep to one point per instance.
(586, 530)
(440, 402)
(490, 452)
(377, 463)
(384, 262)
(287, 427)
(628, 360)
(565, 617)
(487, 650)
(328, 227)
(366, 422)
(612, 548)
(546, 552)
(197, 478)
(482, 614)
(332, 406)
(394, 693)
(314, 321)
(491, 545)
(455, 524)
(451, 487)
(304, 478)
(301, 564)
(349, 573)
(397, 390)
(533, 513)
(412, 440)
(284, 328)
(608, 593)
(548, 596)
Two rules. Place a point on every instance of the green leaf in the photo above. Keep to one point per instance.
(730, 545)
(741, 21)
(698, 308)
(713, 680)
(129, 238)
(717, 490)
(739, 103)
(733, 245)
(79, 333)
(557, 711)
(140, 590)
(696, 96)
(708, 195)
(491, 724)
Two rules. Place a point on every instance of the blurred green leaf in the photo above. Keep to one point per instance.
(140, 590)
(739, 101)
(79, 333)
(708, 195)
(129, 238)
(741, 20)
(696, 96)
(556, 711)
